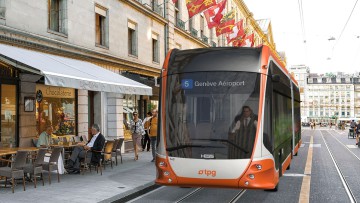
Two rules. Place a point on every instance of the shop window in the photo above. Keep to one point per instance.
(58, 15)
(57, 108)
(101, 26)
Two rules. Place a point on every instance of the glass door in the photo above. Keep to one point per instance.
(8, 115)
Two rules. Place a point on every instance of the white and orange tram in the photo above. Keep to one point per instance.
(228, 117)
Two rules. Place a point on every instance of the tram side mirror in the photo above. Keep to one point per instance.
(275, 78)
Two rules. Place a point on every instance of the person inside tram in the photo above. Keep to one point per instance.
(243, 133)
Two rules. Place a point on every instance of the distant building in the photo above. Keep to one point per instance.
(327, 97)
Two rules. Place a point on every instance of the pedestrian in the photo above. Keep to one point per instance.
(137, 130)
(357, 132)
(146, 139)
(153, 133)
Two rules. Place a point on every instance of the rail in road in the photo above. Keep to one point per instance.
(327, 169)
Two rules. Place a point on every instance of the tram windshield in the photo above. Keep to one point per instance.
(212, 115)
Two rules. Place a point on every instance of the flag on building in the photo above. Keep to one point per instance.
(196, 6)
(226, 24)
(236, 33)
(248, 41)
(214, 14)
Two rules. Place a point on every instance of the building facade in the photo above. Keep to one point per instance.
(128, 37)
(328, 97)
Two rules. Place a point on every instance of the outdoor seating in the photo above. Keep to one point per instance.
(37, 166)
(34, 141)
(107, 154)
(53, 162)
(16, 169)
(87, 164)
(117, 150)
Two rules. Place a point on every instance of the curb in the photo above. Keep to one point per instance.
(132, 194)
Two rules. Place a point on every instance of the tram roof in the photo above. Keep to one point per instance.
(215, 59)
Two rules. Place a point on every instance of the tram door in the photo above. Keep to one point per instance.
(8, 115)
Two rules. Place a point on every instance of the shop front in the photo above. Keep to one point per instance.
(70, 95)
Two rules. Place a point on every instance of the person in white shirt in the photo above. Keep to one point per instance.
(92, 150)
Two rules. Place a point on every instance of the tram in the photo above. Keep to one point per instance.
(228, 117)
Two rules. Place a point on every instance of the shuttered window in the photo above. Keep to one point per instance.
(132, 39)
(57, 15)
(155, 48)
(101, 26)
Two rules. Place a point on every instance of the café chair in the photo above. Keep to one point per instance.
(53, 164)
(37, 166)
(76, 139)
(107, 153)
(117, 150)
(16, 168)
(86, 163)
(34, 141)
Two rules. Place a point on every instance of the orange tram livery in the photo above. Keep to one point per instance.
(228, 117)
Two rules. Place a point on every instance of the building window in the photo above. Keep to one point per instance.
(202, 26)
(155, 48)
(101, 26)
(58, 15)
(132, 42)
(2, 8)
(57, 108)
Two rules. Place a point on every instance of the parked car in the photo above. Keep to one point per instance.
(305, 124)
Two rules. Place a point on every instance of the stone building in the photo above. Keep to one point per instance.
(52, 50)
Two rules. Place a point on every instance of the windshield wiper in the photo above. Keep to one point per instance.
(227, 141)
(190, 146)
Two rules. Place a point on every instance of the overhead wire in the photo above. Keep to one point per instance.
(347, 21)
(302, 21)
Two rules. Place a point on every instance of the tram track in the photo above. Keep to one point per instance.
(197, 190)
(340, 172)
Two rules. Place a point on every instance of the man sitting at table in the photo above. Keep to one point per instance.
(45, 138)
(95, 144)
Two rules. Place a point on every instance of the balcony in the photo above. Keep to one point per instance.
(193, 32)
(180, 24)
(204, 39)
(213, 44)
(158, 9)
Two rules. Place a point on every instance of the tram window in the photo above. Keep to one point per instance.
(203, 109)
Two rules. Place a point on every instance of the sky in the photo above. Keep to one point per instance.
(323, 19)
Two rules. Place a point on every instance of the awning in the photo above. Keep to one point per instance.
(66, 72)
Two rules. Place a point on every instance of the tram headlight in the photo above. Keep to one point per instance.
(246, 183)
(162, 164)
(251, 176)
(166, 173)
(169, 180)
(258, 166)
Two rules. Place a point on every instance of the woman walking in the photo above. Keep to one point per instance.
(137, 131)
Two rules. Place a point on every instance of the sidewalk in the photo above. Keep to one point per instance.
(116, 183)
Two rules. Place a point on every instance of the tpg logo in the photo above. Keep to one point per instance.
(207, 172)
(187, 84)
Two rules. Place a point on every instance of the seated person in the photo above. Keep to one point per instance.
(95, 144)
(45, 139)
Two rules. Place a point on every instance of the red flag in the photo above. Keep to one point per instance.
(196, 6)
(174, 1)
(248, 41)
(226, 24)
(225, 27)
(237, 42)
(214, 14)
(237, 32)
